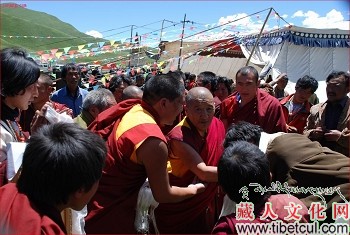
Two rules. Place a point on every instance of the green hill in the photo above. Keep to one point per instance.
(37, 26)
(19, 21)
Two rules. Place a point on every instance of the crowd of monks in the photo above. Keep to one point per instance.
(169, 131)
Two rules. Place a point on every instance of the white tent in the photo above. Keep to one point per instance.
(300, 51)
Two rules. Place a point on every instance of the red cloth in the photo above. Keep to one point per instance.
(265, 111)
(104, 122)
(112, 209)
(19, 215)
(190, 215)
(3, 170)
(226, 224)
(299, 119)
(191, 85)
(92, 80)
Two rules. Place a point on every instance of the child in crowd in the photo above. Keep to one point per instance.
(60, 169)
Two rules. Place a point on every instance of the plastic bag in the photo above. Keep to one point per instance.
(146, 204)
(53, 117)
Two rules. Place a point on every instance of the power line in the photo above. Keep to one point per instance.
(280, 16)
(174, 24)
(141, 27)
(220, 25)
(74, 38)
(226, 23)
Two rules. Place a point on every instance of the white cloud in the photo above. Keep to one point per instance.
(210, 36)
(298, 14)
(333, 19)
(94, 33)
(243, 23)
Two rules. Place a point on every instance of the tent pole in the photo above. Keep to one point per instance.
(257, 40)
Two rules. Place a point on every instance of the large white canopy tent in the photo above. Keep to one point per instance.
(300, 51)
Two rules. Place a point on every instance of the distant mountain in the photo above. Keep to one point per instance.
(19, 21)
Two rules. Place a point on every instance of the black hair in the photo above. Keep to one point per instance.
(337, 74)
(148, 77)
(243, 163)
(69, 66)
(187, 75)
(227, 82)
(192, 77)
(18, 71)
(208, 77)
(167, 86)
(248, 69)
(307, 82)
(180, 74)
(139, 76)
(59, 160)
(95, 72)
(115, 82)
(243, 131)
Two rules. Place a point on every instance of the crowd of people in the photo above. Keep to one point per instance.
(192, 138)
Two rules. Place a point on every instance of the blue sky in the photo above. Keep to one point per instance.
(112, 19)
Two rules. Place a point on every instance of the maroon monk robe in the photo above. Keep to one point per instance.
(19, 215)
(265, 111)
(190, 215)
(104, 122)
(112, 209)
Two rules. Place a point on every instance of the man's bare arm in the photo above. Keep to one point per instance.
(194, 161)
(154, 155)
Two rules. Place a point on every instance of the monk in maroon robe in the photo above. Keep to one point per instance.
(251, 104)
(45, 89)
(137, 150)
(196, 147)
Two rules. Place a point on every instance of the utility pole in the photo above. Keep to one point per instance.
(182, 36)
(161, 34)
(139, 45)
(132, 26)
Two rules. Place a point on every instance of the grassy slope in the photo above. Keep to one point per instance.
(22, 21)
(25, 22)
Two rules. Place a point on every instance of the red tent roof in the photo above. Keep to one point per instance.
(223, 48)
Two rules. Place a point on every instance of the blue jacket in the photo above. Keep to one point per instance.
(64, 97)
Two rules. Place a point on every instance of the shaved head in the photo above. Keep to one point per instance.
(200, 108)
(199, 94)
(132, 92)
(46, 79)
